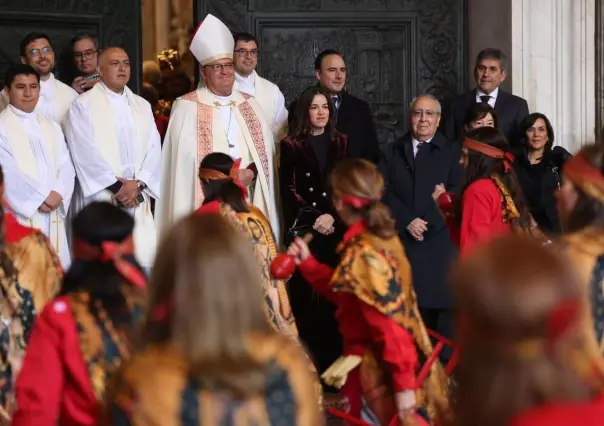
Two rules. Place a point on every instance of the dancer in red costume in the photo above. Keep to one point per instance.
(491, 201)
(30, 276)
(384, 337)
(81, 337)
(524, 358)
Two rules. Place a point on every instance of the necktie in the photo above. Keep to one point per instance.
(419, 148)
(334, 101)
(485, 99)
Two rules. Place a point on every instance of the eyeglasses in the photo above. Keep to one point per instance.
(428, 113)
(243, 52)
(87, 54)
(44, 51)
(220, 67)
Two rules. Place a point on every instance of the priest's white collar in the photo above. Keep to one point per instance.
(47, 88)
(22, 114)
(50, 81)
(112, 93)
(224, 100)
(246, 81)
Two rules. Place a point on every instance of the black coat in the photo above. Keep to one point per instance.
(408, 193)
(356, 122)
(539, 183)
(304, 185)
(511, 111)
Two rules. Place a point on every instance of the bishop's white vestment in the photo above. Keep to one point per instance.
(202, 123)
(35, 161)
(55, 99)
(113, 135)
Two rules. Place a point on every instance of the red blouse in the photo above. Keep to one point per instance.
(590, 413)
(54, 387)
(481, 215)
(362, 325)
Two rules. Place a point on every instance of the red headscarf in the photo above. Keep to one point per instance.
(211, 174)
(112, 251)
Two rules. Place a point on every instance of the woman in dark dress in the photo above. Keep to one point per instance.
(538, 167)
(308, 154)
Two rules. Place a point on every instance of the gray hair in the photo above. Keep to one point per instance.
(494, 54)
(425, 96)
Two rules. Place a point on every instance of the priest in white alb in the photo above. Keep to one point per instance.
(215, 118)
(38, 173)
(55, 96)
(247, 80)
(115, 148)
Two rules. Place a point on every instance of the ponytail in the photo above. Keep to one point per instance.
(5, 261)
(379, 220)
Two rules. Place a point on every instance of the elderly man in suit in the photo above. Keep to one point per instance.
(412, 167)
(489, 72)
(353, 115)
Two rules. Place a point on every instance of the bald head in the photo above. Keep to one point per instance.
(114, 68)
(425, 117)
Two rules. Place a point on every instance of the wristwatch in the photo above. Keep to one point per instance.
(141, 185)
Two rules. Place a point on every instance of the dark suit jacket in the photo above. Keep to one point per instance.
(355, 121)
(409, 184)
(511, 111)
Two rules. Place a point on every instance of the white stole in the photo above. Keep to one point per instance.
(264, 96)
(106, 139)
(26, 160)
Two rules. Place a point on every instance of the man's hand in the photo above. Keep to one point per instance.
(438, 191)
(52, 202)
(417, 227)
(324, 224)
(80, 85)
(245, 176)
(128, 192)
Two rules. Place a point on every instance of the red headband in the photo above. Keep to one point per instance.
(356, 201)
(489, 151)
(111, 251)
(211, 174)
(585, 176)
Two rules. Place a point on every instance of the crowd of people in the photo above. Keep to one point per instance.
(453, 277)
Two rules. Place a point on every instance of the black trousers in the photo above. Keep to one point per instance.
(442, 322)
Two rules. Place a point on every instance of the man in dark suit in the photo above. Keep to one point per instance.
(489, 73)
(412, 167)
(353, 116)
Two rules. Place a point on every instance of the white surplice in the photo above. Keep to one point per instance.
(55, 99)
(202, 123)
(114, 135)
(269, 97)
(35, 161)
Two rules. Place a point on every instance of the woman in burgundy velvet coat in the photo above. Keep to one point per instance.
(308, 155)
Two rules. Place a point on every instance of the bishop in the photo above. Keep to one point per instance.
(216, 118)
(39, 174)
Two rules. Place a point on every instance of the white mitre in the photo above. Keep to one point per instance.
(212, 41)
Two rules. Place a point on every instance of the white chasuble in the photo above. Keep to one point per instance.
(197, 129)
(35, 161)
(55, 99)
(114, 135)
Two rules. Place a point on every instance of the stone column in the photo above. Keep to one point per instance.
(553, 68)
(163, 13)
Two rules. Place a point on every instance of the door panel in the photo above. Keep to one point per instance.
(394, 50)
